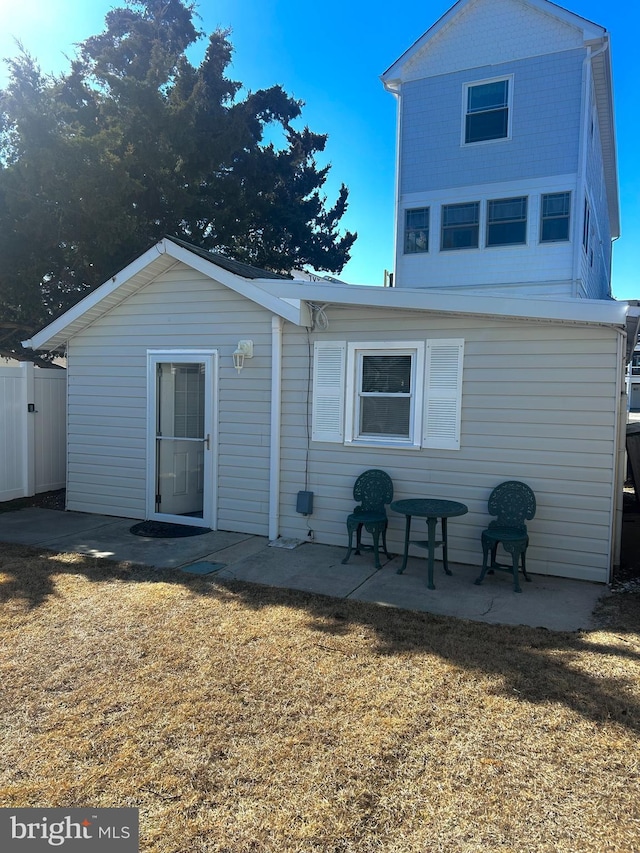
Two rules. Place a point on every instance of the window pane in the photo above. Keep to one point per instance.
(556, 204)
(189, 398)
(490, 125)
(385, 416)
(507, 208)
(386, 374)
(460, 238)
(460, 214)
(507, 234)
(488, 96)
(418, 218)
(554, 229)
(585, 226)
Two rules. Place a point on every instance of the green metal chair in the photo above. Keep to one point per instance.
(513, 503)
(374, 490)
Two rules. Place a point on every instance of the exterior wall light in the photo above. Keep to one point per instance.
(243, 350)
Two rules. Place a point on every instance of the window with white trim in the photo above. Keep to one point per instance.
(487, 108)
(554, 217)
(460, 226)
(403, 395)
(384, 393)
(507, 221)
(416, 230)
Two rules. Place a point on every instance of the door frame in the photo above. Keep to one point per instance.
(208, 357)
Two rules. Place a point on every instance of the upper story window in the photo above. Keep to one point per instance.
(460, 226)
(507, 221)
(554, 217)
(487, 111)
(416, 230)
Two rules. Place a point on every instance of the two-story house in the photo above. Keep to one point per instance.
(506, 161)
(207, 392)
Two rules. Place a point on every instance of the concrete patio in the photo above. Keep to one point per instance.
(555, 603)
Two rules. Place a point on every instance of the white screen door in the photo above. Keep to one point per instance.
(180, 485)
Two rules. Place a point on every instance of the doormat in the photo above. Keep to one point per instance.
(203, 568)
(164, 530)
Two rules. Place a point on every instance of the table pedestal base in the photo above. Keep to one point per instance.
(430, 544)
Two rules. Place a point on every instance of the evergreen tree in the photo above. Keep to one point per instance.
(135, 142)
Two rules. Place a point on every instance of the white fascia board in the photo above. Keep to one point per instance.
(590, 30)
(594, 311)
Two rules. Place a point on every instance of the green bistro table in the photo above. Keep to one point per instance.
(432, 510)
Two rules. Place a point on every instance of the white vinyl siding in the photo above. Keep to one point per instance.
(538, 404)
(181, 309)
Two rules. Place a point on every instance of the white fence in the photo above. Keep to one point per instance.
(32, 430)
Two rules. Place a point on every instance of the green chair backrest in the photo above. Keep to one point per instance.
(373, 489)
(513, 503)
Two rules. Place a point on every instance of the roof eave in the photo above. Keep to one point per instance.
(603, 85)
(592, 311)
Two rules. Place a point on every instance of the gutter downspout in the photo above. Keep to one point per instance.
(399, 224)
(276, 423)
(620, 458)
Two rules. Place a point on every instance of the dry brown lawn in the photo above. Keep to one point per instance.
(242, 718)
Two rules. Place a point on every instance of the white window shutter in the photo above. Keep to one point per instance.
(329, 359)
(443, 394)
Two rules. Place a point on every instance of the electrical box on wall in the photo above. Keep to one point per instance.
(304, 504)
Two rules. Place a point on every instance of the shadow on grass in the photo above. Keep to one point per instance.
(534, 664)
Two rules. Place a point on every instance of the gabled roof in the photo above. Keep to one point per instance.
(158, 259)
(592, 35)
(393, 74)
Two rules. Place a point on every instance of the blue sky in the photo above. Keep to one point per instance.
(330, 55)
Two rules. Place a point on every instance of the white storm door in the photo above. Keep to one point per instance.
(181, 440)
